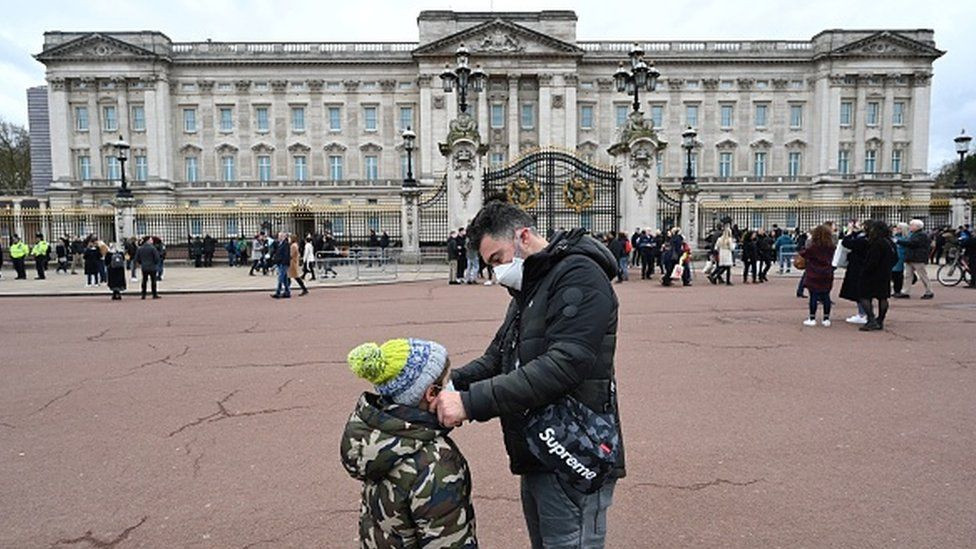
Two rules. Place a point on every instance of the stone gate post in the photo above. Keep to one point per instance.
(634, 155)
(689, 214)
(125, 218)
(464, 153)
(410, 221)
(960, 208)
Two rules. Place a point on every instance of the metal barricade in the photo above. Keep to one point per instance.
(356, 264)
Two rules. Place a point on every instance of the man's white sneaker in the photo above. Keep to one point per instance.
(857, 319)
(825, 323)
(809, 322)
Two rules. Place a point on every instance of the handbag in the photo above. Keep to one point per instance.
(580, 445)
(679, 270)
(840, 256)
(709, 267)
(799, 262)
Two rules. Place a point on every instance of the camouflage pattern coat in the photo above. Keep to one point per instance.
(416, 484)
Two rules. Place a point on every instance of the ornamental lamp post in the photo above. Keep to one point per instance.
(688, 142)
(640, 75)
(962, 148)
(122, 152)
(461, 77)
(409, 137)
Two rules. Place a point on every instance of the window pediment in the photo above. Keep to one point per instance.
(761, 144)
(299, 147)
(335, 147)
(226, 148)
(796, 144)
(190, 148)
(727, 143)
(370, 147)
(262, 147)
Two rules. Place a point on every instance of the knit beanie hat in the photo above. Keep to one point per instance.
(401, 369)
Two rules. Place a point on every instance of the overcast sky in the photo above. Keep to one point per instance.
(954, 22)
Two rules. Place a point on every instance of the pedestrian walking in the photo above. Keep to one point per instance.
(149, 259)
(766, 254)
(452, 255)
(91, 258)
(460, 243)
(618, 247)
(879, 258)
(257, 254)
(282, 260)
(231, 248)
(294, 259)
(131, 247)
(77, 255)
(916, 256)
(725, 246)
(209, 248)
(750, 256)
(160, 246)
(850, 289)
(18, 255)
(61, 250)
(899, 234)
(308, 257)
(818, 271)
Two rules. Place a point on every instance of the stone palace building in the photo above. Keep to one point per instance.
(842, 114)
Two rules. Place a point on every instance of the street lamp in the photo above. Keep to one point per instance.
(463, 76)
(640, 75)
(688, 142)
(408, 145)
(962, 148)
(122, 152)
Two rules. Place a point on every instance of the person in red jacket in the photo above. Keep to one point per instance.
(819, 276)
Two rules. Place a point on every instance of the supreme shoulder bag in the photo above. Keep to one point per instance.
(578, 444)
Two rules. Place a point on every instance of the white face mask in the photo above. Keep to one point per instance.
(449, 386)
(510, 274)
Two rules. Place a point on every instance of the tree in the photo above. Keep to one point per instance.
(15, 174)
(949, 172)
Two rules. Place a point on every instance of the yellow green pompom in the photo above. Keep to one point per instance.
(379, 364)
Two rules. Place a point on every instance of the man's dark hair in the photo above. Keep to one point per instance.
(496, 219)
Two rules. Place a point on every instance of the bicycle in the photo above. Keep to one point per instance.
(954, 272)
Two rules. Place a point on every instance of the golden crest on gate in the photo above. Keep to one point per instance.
(523, 193)
(578, 194)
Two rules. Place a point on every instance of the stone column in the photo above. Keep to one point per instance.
(18, 220)
(960, 205)
(919, 109)
(62, 128)
(545, 111)
(570, 107)
(410, 222)
(689, 214)
(45, 225)
(513, 129)
(483, 108)
(464, 153)
(634, 157)
(425, 127)
(125, 218)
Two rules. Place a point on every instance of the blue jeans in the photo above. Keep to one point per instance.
(560, 517)
(821, 297)
(622, 269)
(284, 283)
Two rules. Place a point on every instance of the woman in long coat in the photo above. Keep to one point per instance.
(294, 259)
(850, 289)
(879, 257)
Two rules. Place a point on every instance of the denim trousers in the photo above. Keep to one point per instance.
(284, 283)
(560, 517)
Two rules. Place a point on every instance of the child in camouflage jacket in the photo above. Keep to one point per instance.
(416, 484)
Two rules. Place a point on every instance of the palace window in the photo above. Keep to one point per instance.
(793, 165)
(226, 119)
(301, 168)
(759, 164)
(335, 119)
(586, 117)
(844, 161)
(369, 119)
(691, 115)
(142, 168)
(227, 168)
(112, 167)
(81, 119)
(261, 114)
(335, 167)
(110, 121)
(497, 159)
(725, 164)
(896, 160)
(620, 114)
(846, 113)
(726, 115)
(264, 167)
(138, 118)
(371, 163)
(298, 119)
(873, 114)
(870, 161)
(898, 114)
(497, 115)
(189, 120)
(657, 116)
(190, 168)
(406, 118)
(762, 115)
(528, 116)
(796, 116)
(84, 167)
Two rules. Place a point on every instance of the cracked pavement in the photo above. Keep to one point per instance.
(214, 420)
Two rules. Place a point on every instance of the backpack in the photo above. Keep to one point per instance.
(117, 261)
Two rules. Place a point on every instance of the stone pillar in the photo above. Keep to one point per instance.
(425, 127)
(634, 157)
(410, 222)
(19, 221)
(125, 218)
(513, 128)
(464, 153)
(960, 206)
(689, 214)
(45, 225)
(545, 112)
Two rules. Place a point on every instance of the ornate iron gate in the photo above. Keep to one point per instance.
(559, 191)
(432, 216)
(668, 210)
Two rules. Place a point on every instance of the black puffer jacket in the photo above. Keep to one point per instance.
(565, 320)
(917, 245)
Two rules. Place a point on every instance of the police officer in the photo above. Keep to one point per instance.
(39, 253)
(18, 251)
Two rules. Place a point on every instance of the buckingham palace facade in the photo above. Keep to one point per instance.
(843, 114)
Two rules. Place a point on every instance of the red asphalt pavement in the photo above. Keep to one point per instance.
(214, 421)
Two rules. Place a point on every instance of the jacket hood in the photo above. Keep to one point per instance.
(563, 245)
(380, 434)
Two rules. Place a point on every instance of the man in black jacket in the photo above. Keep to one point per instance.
(916, 257)
(147, 256)
(558, 339)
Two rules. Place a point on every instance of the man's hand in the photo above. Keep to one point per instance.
(450, 410)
